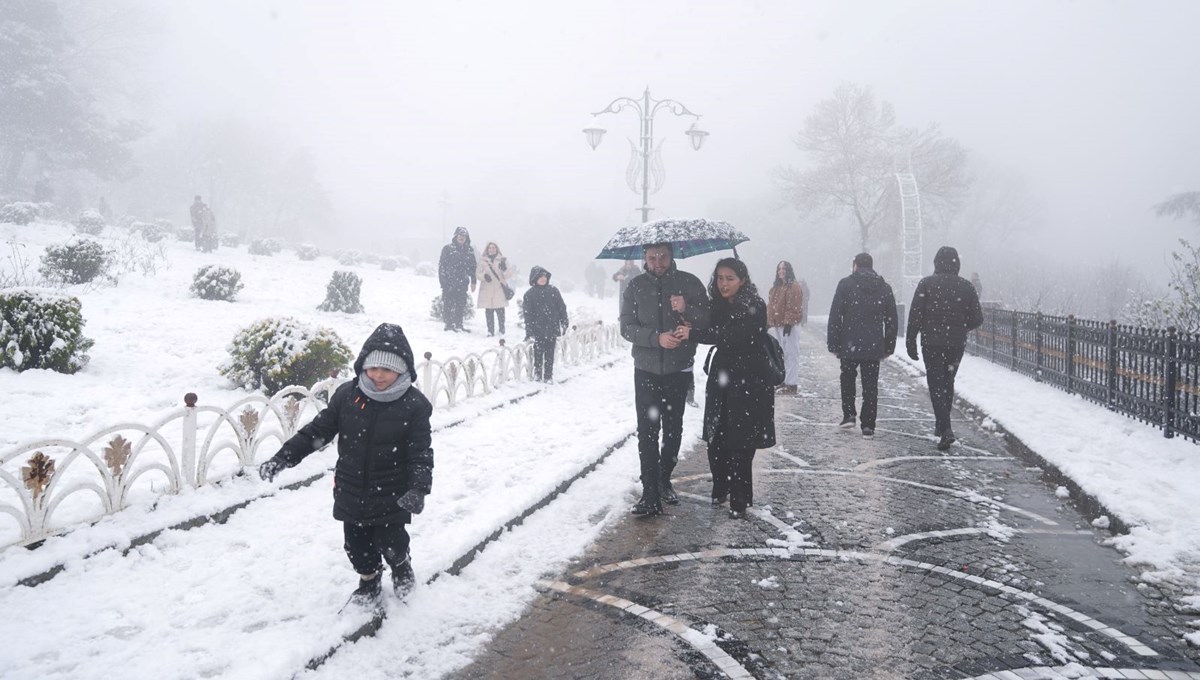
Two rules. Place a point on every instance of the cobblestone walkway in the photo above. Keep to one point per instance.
(877, 558)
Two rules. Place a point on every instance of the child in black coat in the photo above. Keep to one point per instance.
(545, 320)
(385, 463)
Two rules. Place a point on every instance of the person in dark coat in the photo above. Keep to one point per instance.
(204, 226)
(385, 461)
(545, 320)
(654, 304)
(456, 272)
(862, 331)
(945, 307)
(739, 406)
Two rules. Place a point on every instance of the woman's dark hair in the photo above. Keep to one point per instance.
(739, 269)
(789, 275)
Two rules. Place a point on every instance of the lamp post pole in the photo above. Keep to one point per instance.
(653, 174)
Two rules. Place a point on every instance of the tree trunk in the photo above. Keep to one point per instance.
(12, 170)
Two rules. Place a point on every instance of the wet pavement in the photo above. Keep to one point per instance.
(862, 558)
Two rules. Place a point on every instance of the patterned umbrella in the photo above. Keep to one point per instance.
(688, 236)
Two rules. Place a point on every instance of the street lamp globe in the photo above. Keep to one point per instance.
(696, 135)
(594, 133)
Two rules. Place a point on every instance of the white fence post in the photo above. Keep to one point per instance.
(187, 463)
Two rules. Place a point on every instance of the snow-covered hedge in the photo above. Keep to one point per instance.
(426, 269)
(389, 264)
(90, 222)
(21, 212)
(150, 231)
(265, 246)
(214, 282)
(186, 234)
(79, 261)
(307, 252)
(230, 240)
(342, 293)
(435, 310)
(402, 261)
(350, 257)
(273, 353)
(41, 329)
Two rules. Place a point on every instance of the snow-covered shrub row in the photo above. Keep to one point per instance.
(214, 282)
(265, 246)
(350, 257)
(150, 231)
(89, 222)
(402, 261)
(230, 240)
(21, 212)
(389, 264)
(435, 310)
(41, 329)
(307, 252)
(79, 261)
(342, 293)
(426, 269)
(274, 353)
(186, 234)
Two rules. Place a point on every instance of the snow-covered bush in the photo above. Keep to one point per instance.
(89, 222)
(133, 253)
(435, 310)
(265, 246)
(402, 261)
(307, 252)
(564, 285)
(341, 295)
(426, 269)
(372, 258)
(214, 282)
(389, 264)
(79, 261)
(150, 231)
(350, 257)
(21, 212)
(186, 234)
(230, 240)
(273, 353)
(41, 329)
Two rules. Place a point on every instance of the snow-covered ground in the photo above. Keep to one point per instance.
(1150, 482)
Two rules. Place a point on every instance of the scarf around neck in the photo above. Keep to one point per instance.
(392, 393)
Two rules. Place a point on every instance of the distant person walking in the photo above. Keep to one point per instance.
(456, 272)
(493, 274)
(945, 307)
(739, 407)
(977, 285)
(807, 302)
(654, 305)
(545, 320)
(862, 331)
(785, 308)
(623, 276)
(204, 226)
(594, 277)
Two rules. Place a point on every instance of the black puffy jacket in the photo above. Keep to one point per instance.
(456, 266)
(945, 306)
(862, 318)
(544, 309)
(383, 447)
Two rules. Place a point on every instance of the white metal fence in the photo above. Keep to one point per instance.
(54, 484)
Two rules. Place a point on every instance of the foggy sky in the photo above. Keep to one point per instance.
(1094, 102)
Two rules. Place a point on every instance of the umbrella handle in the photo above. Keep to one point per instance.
(734, 248)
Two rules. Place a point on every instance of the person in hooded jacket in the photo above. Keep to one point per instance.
(545, 320)
(493, 275)
(945, 308)
(456, 272)
(785, 309)
(385, 461)
(861, 332)
(739, 404)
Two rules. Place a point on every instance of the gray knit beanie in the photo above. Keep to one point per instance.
(381, 359)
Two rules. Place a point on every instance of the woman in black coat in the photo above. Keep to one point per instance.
(739, 407)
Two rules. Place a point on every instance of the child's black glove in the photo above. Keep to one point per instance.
(273, 466)
(413, 501)
(503, 264)
(787, 329)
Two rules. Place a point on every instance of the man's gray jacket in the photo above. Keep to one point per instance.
(646, 312)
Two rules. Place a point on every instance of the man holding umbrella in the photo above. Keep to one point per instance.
(653, 305)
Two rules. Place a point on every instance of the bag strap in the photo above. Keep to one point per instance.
(708, 359)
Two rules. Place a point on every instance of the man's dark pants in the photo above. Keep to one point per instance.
(453, 307)
(660, 400)
(941, 364)
(870, 388)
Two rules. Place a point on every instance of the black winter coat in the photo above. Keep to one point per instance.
(646, 312)
(862, 318)
(456, 266)
(739, 404)
(945, 306)
(383, 447)
(544, 309)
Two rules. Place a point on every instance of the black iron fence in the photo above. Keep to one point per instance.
(1145, 373)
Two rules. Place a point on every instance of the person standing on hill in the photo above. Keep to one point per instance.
(456, 271)
(945, 308)
(204, 226)
(862, 332)
(492, 275)
(785, 308)
(545, 320)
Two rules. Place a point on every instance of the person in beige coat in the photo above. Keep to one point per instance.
(492, 273)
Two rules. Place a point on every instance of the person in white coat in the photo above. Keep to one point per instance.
(785, 312)
(492, 272)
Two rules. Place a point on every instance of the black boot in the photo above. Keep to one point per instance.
(645, 508)
(667, 494)
(403, 580)
(368, 592)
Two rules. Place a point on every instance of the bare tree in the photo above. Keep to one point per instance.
(853, 145)
(1180, 206)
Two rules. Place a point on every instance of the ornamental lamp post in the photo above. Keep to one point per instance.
(653, 175)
